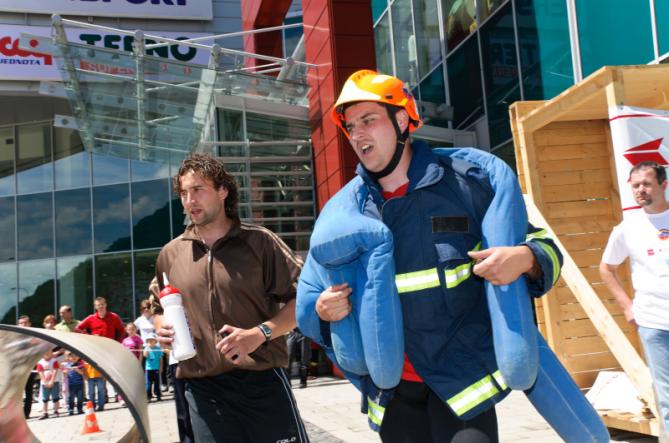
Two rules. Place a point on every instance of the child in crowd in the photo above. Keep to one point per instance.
(48, 369)
(133, 342)
(95, 380)
(153, 356)
(74, 369)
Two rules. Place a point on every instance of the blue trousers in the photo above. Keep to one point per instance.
(656, 346)
(101, 386)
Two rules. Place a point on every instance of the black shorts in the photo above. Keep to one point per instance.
(418, 415)
(245, 406)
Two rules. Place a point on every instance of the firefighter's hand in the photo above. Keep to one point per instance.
(503, 265)
(333, 304)
(236, 343)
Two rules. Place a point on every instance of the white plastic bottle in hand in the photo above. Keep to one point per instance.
(174, 314)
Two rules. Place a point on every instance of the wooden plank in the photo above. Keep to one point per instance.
(603, 323)
(574, 311)
(563, 152)
(585, 380)
(591, 362)
(576, 192)
(630, 422)
(583, 225)
(575, 177)
(568, 100)
(582, 345)
(586, 327)
(561, 138)
(575, 164)
(578, 209)
(580, 242)
(589, 257)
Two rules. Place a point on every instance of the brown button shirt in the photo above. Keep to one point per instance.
(240, 281)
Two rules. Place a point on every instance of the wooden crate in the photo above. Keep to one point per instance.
(564, 158)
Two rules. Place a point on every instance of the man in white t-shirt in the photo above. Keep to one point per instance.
(644, 237)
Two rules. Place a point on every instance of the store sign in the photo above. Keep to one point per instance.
(19, 62)
(160, 9)
(638, 135)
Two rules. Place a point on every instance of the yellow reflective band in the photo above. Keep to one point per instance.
(473, 396)
(415, 281)
(499, 379)
(554, 259)
(537, 235)
(457, 275)
(375, 412)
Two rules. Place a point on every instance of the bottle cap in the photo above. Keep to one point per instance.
(169, 290)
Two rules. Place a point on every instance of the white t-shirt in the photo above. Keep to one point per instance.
(145, 326)
(645, 239)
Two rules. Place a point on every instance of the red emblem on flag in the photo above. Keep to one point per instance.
(649, 151)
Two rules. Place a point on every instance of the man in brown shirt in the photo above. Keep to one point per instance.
(238, 286)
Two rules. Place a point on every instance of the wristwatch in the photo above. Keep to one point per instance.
(266, 331)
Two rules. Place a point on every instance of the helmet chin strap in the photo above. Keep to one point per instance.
(399, 147)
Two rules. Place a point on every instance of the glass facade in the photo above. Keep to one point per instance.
(486, 54)
(77, 224)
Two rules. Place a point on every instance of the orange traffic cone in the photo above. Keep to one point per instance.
(90, 423)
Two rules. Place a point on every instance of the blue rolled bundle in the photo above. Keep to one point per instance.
(350, 247)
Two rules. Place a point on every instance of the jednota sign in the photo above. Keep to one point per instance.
(170, 9)
(19, 63)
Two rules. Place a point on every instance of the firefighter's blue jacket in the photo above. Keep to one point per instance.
(448, 333)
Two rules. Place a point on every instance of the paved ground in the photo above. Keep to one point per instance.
(329, 408)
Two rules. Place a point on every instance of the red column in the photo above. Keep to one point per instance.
(258, 14)
(339, 39)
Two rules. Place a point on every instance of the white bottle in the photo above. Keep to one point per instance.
(174, 314)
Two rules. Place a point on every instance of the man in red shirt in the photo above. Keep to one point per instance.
(103, 322)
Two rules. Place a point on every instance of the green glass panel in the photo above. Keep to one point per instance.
(75, 284)
(260, 127)
(662, 24)
(7, 153)
(7, 227)
(378, 6)
(428, 42)
(111, 215)
(35, 226)
(613, 32)
(464, 83)
(150, 213)
(488, 7)
(113, 281)
(73, 222)
(459, 20)
(404, 42)
(500, 72)
(145, 270)
(545, 51)
(434, 111)
(382, 47)
(8, 293)
(36, 289)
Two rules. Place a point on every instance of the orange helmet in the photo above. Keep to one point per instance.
(370, 86)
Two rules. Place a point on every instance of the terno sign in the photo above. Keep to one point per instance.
(19, 63)
(175, 9)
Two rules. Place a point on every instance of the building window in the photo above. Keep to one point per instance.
(7, 227)
(545, 51)
(378, 6)
(34, 214)
(459, 20)
(7, 177)
(73, 222)
(75, 284)
(37, 289)
(111, 216)
(382, 45)
(113, 281)
(614, 32)
(500, 72)
(33, 162)
(428, 42)
(464, 83)
(404, 42)
(72, 164)
(8, 293)
(150, 213)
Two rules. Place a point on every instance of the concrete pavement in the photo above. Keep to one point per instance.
(329, 407)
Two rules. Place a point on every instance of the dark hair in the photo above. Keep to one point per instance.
(213, 169)
(660, 172)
